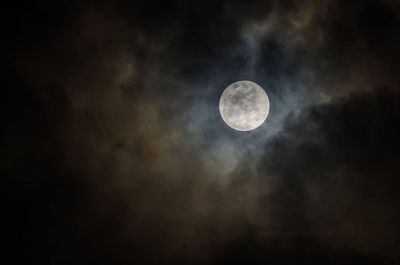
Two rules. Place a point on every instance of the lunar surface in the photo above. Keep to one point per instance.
(244, 105)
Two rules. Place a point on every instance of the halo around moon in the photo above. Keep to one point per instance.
(244, 105)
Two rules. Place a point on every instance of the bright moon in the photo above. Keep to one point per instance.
(244, 105)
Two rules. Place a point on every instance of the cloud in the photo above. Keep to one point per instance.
(337, 167)
(114, 150)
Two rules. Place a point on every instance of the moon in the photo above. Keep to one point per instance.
(244, 105)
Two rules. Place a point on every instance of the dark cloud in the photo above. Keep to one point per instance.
(338, 165)
(113, 150)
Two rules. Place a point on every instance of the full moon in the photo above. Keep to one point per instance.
(244, 105)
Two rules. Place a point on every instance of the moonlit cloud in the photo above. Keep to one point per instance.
(114, 150)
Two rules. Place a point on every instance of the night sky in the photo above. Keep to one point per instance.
(113, 150)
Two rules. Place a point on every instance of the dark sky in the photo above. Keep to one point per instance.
(113, 150)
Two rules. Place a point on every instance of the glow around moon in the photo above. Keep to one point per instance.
(244, 105)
